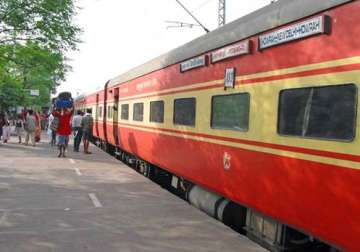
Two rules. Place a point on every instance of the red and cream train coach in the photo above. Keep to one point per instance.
(261, 113)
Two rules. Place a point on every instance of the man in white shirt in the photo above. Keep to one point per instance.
(51, 132)
(76, 126)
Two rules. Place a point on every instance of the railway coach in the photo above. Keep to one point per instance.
(255, 123)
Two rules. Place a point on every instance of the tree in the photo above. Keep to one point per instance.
(31, 67)
(10, 89)
(34, 36)
(49, 23)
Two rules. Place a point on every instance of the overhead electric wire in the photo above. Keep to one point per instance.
(197, 21)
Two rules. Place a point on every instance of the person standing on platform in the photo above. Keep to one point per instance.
(87, 127)
(6, 131)
(51, 129)
(76, 126)
(30, 126)
(2, 122)
(19, 128)
(37, 127)
(64, 128)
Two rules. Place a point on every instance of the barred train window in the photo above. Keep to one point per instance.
(319, 112)
(109, 112)
(230, 111)
(125, 111)
(100, 112)
(157, 111)
(185, 111)
(138, 112)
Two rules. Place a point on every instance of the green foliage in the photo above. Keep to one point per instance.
(28, 67)
(34, 36)
(10, 92)
(46, 22)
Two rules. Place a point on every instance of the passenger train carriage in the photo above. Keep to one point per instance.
(262, 112)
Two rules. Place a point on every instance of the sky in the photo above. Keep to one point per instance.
(119, 35)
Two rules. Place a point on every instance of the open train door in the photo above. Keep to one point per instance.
(106, 112)
(116, 117)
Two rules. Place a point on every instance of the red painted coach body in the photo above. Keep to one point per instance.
(309, 184)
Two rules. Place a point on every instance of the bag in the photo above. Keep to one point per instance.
(64, 96)
(54, 125)
(61, 103)
(18, 124)
(49, 132)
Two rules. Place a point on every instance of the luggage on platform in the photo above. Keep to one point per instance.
(64, 100)
(65, 96)
(63, 103)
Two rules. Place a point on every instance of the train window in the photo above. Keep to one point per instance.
(109, 112)
(100, 112)
(319, 112)
(125, 112)
(138, 113)
(90, 110)
(157, 111)
(185, 111)
(230, 111)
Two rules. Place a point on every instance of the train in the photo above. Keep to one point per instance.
(255, 123)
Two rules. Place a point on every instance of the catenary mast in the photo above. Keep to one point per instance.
(222, 13)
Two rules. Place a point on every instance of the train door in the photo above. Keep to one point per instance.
(97, 116)
(105, 112)
(116, 117)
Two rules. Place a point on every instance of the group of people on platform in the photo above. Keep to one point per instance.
(62, 123)
(28, 121)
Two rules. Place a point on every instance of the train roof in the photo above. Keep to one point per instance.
(266, 18)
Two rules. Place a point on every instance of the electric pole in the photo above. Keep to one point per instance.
(222, 13)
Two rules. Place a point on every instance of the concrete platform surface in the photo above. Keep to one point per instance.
(95, 203)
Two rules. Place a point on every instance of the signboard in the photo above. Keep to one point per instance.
(231, 51)
(146, 84)
(193, 63)
(310, 27)
(34, 92)
(229, 80)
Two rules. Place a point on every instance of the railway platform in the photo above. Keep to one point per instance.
(96, 203)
